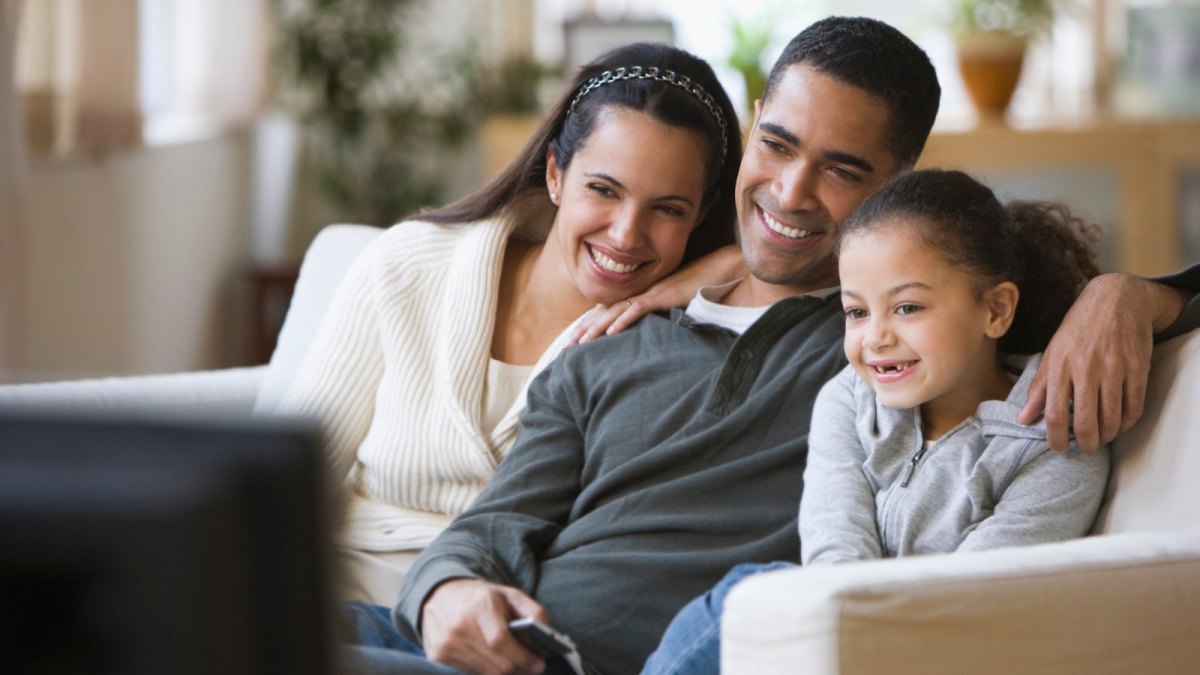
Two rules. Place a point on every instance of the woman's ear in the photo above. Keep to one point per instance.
(553, 177)
(1001, 302)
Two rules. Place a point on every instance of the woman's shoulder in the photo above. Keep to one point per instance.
(420, 243)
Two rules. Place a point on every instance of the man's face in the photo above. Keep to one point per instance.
(816, 151)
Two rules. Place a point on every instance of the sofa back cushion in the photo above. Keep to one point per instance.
(325, 263)
(1156, 465)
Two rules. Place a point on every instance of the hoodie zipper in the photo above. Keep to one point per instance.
(912, 465)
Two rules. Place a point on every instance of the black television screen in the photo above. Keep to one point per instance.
(156, 546)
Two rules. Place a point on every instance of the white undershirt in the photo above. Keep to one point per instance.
(501, 388)
(706, 307)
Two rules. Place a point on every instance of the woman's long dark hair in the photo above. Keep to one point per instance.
(1039, 246)
(668, 103)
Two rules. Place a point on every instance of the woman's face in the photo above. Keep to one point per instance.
(627, 203)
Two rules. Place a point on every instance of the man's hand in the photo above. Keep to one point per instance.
(1097, 364)
(721, 266)
(464, 624)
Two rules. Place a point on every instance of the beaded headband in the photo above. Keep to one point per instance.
(654, 73)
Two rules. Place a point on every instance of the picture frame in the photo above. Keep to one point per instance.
(588, 36)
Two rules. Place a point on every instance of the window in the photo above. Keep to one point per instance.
(96, 74)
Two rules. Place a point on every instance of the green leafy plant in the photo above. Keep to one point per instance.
(1019, 17)
(751, 37)
(512, 86)
(370, 115)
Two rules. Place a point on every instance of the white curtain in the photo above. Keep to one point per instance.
(12, 178)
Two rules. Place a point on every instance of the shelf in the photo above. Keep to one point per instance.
(1148, 158)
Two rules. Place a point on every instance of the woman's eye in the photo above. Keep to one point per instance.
(670, 210)
(600, 189)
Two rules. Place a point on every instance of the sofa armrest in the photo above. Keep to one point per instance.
(216, 392)
(1112, 603)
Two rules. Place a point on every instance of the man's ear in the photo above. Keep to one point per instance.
(554, 177)
(1001, 302)
(758, 103)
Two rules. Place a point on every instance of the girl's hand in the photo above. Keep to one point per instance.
(719, 267)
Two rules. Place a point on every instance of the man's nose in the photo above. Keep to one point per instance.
(796, 188)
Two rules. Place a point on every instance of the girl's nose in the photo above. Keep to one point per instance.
(878, 334)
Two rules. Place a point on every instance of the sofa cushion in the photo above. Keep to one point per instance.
(1156, 464)
(325, 263)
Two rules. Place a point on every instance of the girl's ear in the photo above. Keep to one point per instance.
(1001, 302)
(553, 177)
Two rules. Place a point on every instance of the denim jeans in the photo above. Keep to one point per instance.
(692, 643)
(375, 647)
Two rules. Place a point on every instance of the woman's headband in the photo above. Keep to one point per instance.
(654, 73)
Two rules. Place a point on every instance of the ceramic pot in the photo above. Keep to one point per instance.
(990, 65)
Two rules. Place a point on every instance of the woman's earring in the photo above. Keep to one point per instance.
(554, 197)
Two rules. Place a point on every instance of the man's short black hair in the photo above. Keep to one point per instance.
(881, 61)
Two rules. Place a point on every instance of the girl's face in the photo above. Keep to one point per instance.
(918, 331)
(627, 203)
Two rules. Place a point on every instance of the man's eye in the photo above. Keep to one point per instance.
(845, 174)
(773, 146)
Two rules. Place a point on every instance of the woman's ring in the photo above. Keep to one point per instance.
(628, 303)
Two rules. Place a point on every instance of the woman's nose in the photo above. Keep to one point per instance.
(628, 228)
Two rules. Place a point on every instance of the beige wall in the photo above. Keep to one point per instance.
(133, 261)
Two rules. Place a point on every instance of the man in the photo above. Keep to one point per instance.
(651, 462)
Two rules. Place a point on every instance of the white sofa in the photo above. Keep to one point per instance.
(1127, 600)
(229, 392)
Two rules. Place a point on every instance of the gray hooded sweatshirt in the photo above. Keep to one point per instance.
(874, 488)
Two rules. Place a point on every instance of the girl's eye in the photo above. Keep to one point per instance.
(853, 313)
(907, 309)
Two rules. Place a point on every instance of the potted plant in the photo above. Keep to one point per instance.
(371, 112)
(509, 97)
(991, 37)
(750, 41)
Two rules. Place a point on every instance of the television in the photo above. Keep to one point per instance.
(155, 546)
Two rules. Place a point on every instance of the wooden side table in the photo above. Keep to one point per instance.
(271, 288)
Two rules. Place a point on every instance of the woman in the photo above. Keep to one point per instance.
(419, 370)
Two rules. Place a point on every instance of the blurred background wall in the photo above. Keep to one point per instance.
(164, 163)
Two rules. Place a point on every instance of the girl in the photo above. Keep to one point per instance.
(420, 367)
(915, 447)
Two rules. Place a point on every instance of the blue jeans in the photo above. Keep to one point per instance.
(692, 643)
(376, 647)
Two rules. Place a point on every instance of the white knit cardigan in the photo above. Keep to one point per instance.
(396, 375)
